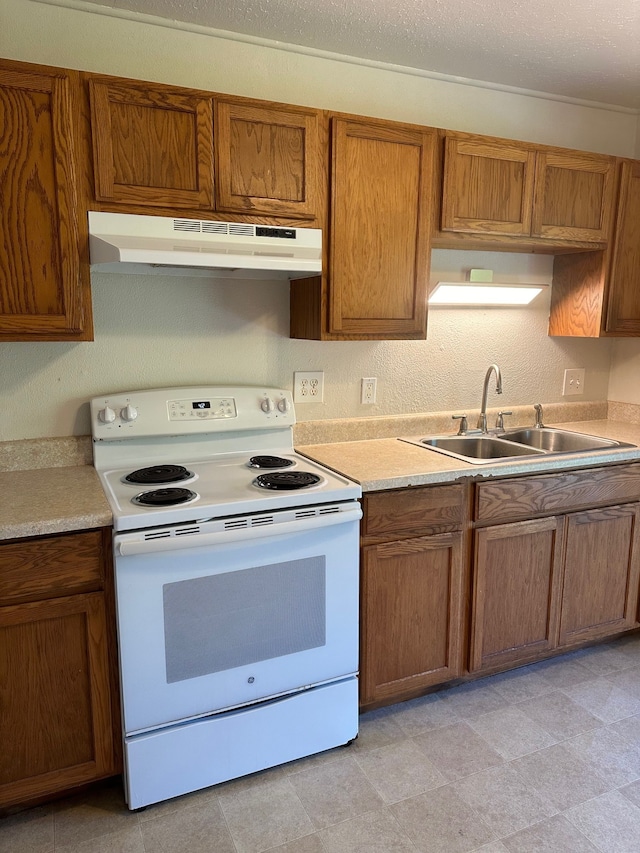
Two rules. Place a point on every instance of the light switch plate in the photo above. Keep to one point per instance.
(573, 382)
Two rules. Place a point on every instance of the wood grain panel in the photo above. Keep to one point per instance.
(411, 610)
(524, 497)
(577, 294)
(152, 144)
(268, 159)
(381, 207)
(623, 307)
(574, 195)
(488, 186)
(515, 592)
(601, 574)
(412, 512)
(43, 294)
(51, 566)
(55, 725)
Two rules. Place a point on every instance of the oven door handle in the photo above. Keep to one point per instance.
(131, 544)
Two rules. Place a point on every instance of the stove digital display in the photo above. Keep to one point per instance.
(201, 404)
(216, 408)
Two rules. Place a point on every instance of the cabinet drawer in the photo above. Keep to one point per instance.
(412, 512)
(51, 566)
(550, 493)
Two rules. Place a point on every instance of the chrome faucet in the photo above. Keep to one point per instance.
(482, 418)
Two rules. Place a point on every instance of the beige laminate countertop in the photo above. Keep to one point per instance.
(387, 463)
(51, 500)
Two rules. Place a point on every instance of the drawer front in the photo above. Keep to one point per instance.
(412, 512)
(51, 566)
(525, 497)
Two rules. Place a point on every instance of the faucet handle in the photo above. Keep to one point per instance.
(538, 424)
(500, 419)
(464, 426)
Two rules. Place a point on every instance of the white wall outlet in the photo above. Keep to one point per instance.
(368, 390)
(573, 381)
(308, 386)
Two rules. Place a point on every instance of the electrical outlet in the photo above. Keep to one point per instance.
(368, 390)
(308, 387)
(573, 381)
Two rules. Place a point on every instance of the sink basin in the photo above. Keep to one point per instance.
(515, 444)
(478, 449)
(560, 440)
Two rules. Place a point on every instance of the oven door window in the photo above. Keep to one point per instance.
(205, 629)
(229, 620)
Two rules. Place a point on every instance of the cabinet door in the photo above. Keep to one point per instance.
(600, 589)
(152, 145)
(488, 186)
(44, 293)
(623, 311)
(516, 592)
(573, 198)
(55, 728)
(411, 616)
(382, 184)
(267, 159)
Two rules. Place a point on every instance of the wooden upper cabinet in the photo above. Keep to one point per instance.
(516, 189)
(382, 180)
(488, 187)
(267, 159)
(152, 144)
(623, 309)
(573, 196)
(44, 291)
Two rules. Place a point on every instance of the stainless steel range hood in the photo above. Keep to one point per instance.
(128, 243)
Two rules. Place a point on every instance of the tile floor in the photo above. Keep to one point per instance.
(544, 758)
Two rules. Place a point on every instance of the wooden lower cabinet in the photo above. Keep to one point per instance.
(516, 592)
(58, 699)
(601, 568)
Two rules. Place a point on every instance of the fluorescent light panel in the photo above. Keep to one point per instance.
(467, 293)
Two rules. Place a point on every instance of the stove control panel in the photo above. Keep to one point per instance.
(190, 410)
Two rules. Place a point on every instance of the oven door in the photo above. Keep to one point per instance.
(211, 620)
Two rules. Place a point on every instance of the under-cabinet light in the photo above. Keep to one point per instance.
(476, 293)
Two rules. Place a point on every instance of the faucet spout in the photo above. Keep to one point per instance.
(482, 418)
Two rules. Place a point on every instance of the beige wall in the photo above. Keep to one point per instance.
(154, 331)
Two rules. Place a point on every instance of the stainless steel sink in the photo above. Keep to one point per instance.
(477, 449)
(483, 449)
(560, 440)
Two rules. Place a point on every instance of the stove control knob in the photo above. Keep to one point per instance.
(129, 413)
(284, 405)
(267, 405)
(107, 415)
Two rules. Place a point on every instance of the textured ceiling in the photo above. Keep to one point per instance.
(585, 49)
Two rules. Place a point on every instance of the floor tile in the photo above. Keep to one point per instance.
(603, 699)
(604, 659)
(612, 757)
(610, 822)
(472, 699)
(554, 835)
(100, 811)
(265, 816)
(494, 847)
(424, 714)
(399, 771)
(510, 732)
(125, 841)
(29, 831)
(441, 822)
(629, 728)
(560, 777)
(457, 751)
(504, 800)
(559, 715)
(197, 798)
(335, 792)
(519, 685)
(199, 828)
(374, 832)
(628, 680)
(632, 792)
(306, 844)
(563, 671)
(378, 728)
